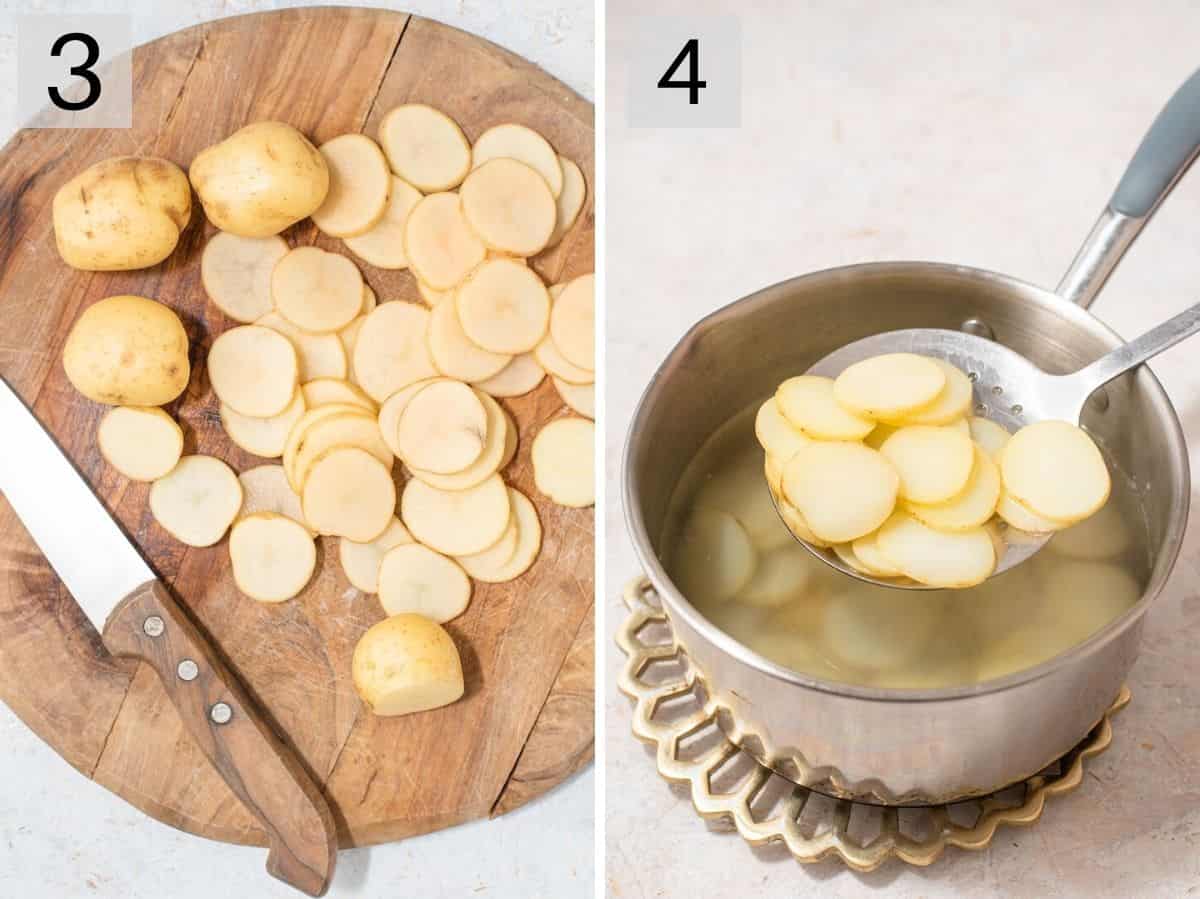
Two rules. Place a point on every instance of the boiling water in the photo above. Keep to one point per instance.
(731, 556)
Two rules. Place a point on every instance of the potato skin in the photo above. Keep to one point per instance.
(128, 351)
(406, 651)
(260, 180)
(122, 213)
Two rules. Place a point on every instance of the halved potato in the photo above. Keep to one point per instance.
(782, 575)
(455, 354)
(570, 201)
(776, 435)
(504, 307)
(456, 522)
(414, 578)
(318, 355)
(520, 376)
(253, 370)
(440, 245)
(391, 352)
(443, 428)
(716, 558)
(842, 490)
(509, 206)
(383, 245)
(425, 147)
(406, 664)
(236, 273)
(951, 404)
(347, 429)
(889, 386)
(529, 543)
(323, 391)
(360, 561)
(580, 397)
(142, 442)
(266, 489)
(497, 453)
(359, 184)
(563, 457)
(807, 401)
(1021, 517)
(1055, 469)
(934, 463)
(866, 550)
(317, 291)
(197, 500)
(972, 507)
(264, 437)
(272, 557)
(937, 558)
(572, 322)
(524, 145)
(348, 493)
(393, 408)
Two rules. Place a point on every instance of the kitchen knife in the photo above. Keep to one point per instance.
(136, 616)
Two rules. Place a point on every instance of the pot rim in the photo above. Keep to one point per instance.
(677, 603)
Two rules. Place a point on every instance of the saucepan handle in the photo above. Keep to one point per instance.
(1165, 153)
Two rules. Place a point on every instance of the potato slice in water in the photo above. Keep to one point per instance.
(443, 428)
(569, 202)
(347, 429)
(843, 490)
(1055, 470)
(273, 557)
(951, 404)
(405, 664)
(413, 578)
(580, 397)
(349, 493)
(845, 552)
(989, 435)
(425, 147)
(264, 437)
(572, 322)
(393, 408)
(498, 452)
(934, 463)
(266, 489)
(1022, 518)
(316, 291)
(318, 355)
(504, 307)
(359, 183)
(937, 558)
(253, 370)
(563, 457)
(391, 352)
(795, 523)
(360, 561)
(524, 145)
(509, 206)
(1105, 535)
(197, 501)
(142, 442)
(323, 391)
(876, 564)
(716, 557)
(782, 575)
(807, 401)
(383, 245)
(236, 273)
(776, 435)
(440, 245)
(971, 507)
(520, 376)
(529, 543)
(889, 386)
(455, 354)
(456, 522)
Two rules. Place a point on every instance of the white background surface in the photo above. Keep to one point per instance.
(61, 836)
(991, 136)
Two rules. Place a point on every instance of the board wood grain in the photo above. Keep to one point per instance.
(526, 720)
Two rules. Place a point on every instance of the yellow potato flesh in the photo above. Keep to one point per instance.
(405, 664)
(316, 291)
(716, 557)
(319, 355)
(360, 561)
(323, 391)
(272, 557)
(934, 463)
(197, 500)
(264, 437)
(509, 206)
(455, 354)
(443, 428)
(1022, 518)
(580, 397)
(807, 401)
(497, 452)
(265, 488)
(425, 147)
(504, 307)
(842, 490)
(972, 507)
(1055, 470)
(950, 405)
(383, 245)
(359, 186)
(937, 558)
(348, 493)
(572, 322)
(889, 386)
(776, 435)
(347, 429)
(391, 352)
(520, 376)
(570, 201)
(529, 543)
(866, 550)
(524, 145)
(456, 522)
(254, 370)
(236, 273)
(563, 457)
(415, 579)
(440, 245)
(989, 435)
(142, 442)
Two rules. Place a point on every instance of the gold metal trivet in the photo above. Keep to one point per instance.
(728, 787)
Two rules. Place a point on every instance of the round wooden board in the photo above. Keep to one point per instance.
(526, 721)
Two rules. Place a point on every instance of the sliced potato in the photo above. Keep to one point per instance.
(359, 184)
(972, 507)
(360, 561)
(889, 386)
(866, 550)
(236, 273)
(393, 407)
(520, 376)
(349, 338)
(454, 353)
(266, 489)
(497, 453)
(552, 360)
(782, 575)
(500, 553)
(934, 463)
(580, 397)
(319, 355)
(264, 437)
(307, 420)
(776, 435)
(951, 404)
(197, 500)
(414, 578)
(989, 435)
(433, 296)
(563, 461)
(456, 522)
(1105, 535)
(348, 493)
(572, 322)
(370, 301)
(383, 245)
(323, 391)
(807, 401)
(796, 524)
(845, 552)
(443, 428)
(509, 206)
(347, 429)
(504, 307)
(570, 201)
(142, 442)
(529, 543)
(317, 291)
(1021, 517)
(716, 558)
(272, 557)
(406, 664)
(1055, 470)
(773, 472)
(937, 558)
(391, 352)
(524, 145)
(843, 490)
(425, 147)
(440, 245)
(881, 632)
(253, 370)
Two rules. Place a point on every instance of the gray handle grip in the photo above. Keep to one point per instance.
(1165, 153)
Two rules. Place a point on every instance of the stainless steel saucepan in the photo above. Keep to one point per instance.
(928, 745)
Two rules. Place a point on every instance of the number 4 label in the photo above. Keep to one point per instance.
(691, 53)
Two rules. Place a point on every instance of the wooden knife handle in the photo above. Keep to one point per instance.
(265, 774)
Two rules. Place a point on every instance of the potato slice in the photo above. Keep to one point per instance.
(440, 245)
(989, 435)
(564, 461)
(360, 561)
(317, 291)
(414, 578)
(773, 472)
(347, 429)
(580, 397)
(266, 489)
(845, 552)
(889, 386)
(443, 428)
(973, 506)
(236, 273)
(866, 550)
(518, 378)
(349, 338)
(197, 501)
(456, 522)
(142, 442)
(394, 406)
(391, 352)
(370, 301)
(572, 322)
(795, 523)
(264, 437)
(782, 575)
(552, 360)
(497, 453)
(1105, 535)
(454, 354)
(504, 307)
(716, 558)
(776, 435)
(881, 433)
(253, 370)
(529, 543)
(934, 463)
(879, 632)
(433, 296)
(807, 401)
(383, 245)
(406, 664)
(937, 558)
(307, 420)
(425, 147)
(842, 490)
(272, 557)
(323, 391)
(950, 405)
(359, 184)
(348, 493)
(500, 553)
(569, 202)
(319, 355)
(1055, 470)
(509, 206)
(524, 145)
(1024, 519)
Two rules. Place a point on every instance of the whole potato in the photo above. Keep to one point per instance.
(122, 213)
(128, 351)
(259, 180)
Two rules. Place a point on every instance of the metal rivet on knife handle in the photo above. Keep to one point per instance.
(221, 713)
(187, 670)
(153, 626)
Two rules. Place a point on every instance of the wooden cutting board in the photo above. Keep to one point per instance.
(526, 721)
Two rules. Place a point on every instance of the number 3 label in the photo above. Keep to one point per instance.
(690, 52)
(83, 70)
